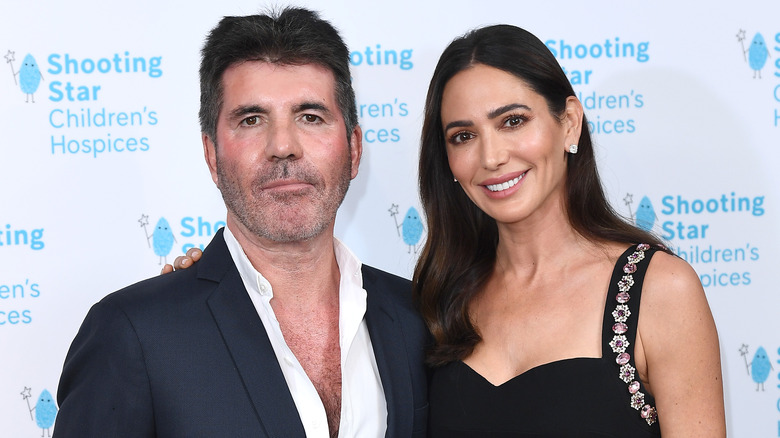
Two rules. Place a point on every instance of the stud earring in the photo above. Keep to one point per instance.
(573, 149)
(455, 179)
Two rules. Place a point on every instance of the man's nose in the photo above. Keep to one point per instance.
(282, 142)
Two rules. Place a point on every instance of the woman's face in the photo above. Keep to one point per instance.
(504, 147)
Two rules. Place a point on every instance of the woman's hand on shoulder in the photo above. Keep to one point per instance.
(680, 345)
(183, 262)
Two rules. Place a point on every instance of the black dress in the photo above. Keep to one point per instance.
(579, 397)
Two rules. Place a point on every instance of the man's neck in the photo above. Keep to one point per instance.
(305, 271)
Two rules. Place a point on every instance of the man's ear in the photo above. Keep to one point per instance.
(210, 153)
(356, 149)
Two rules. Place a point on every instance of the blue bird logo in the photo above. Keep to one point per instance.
(45, 409)
(645, 214)
(410, 229)
(759, 368)
(161, 239)
(30, 76)
(756, 54)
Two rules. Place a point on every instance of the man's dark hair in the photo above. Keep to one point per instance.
(294, 36)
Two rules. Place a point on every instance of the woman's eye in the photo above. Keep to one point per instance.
(461, 137)
(514, 121)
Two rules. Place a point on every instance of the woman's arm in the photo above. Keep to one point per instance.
(677, 343)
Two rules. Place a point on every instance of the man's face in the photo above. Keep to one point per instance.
(282, 158)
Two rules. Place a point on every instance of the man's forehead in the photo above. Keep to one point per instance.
(258, 79)
(260, 69)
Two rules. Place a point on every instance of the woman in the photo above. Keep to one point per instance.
(530, 282)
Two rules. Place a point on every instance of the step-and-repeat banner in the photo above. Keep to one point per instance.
(102, 176)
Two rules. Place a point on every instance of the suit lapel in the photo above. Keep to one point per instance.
(248, 343)
(387, 339)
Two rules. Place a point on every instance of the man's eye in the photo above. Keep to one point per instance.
(311, 118)
(251, 120)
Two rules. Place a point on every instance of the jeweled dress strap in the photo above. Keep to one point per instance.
(621, 316)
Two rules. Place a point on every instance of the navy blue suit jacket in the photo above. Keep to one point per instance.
(186, 355)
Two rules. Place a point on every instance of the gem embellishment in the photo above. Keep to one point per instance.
(627, 375)
(619, 328)
(649, 414)
(619, 342)
(636, 257)
(637, 401)
(621, 313)
(625, 283)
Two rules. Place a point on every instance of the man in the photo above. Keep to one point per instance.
(278, 331)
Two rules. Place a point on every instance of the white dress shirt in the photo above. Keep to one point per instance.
(363, 405)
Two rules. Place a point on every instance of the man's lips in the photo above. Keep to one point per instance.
(286, 184)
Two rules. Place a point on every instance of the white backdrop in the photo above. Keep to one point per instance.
(684, 100)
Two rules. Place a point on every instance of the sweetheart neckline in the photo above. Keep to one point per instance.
(528, 371)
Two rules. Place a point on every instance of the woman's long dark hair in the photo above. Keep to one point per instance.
(460, 252)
